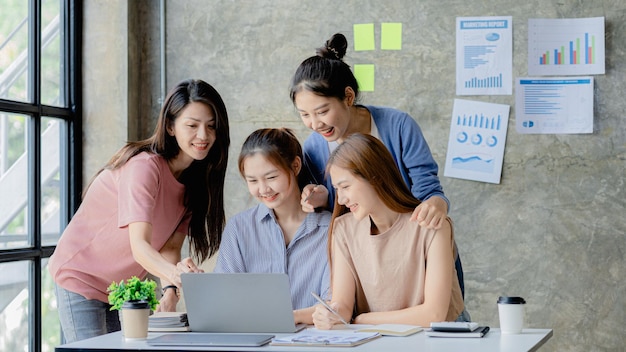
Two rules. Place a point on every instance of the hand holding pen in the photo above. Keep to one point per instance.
(314, 196)
(321, 317)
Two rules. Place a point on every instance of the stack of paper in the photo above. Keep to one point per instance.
(168, 321)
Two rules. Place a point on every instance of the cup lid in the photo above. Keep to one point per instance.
(511, 300)
(136, 304)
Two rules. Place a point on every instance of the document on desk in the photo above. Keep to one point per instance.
(330, 338)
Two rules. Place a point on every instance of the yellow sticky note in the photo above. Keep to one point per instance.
(365, 77)
(364, 37)
(391, 36)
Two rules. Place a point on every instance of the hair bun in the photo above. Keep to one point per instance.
(335, 47)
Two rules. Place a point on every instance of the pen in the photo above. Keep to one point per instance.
(319, 299)
(311, 181)
(310, 194)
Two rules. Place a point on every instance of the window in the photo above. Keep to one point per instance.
(39, 161)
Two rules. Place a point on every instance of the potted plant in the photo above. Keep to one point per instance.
(135, 299)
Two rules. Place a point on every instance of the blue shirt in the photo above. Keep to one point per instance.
(403, 138)
(253, 242)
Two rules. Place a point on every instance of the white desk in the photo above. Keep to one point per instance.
(528, 340)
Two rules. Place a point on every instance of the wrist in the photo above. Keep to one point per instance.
(170, 288)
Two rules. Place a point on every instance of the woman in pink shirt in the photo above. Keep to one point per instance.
(385, 268)
(137, 211)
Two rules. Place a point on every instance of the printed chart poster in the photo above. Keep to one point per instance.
(484, 55)
(566, 46)
(555, 105)
(476, 143)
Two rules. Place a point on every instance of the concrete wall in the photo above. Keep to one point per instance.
(105, 84)
(552, 231)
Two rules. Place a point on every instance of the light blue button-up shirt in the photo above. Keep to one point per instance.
(253, 242)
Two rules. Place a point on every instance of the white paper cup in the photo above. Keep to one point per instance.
(134, 319)
(511, 312)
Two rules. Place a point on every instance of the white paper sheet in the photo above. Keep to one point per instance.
(573, 46)
(484, 55)
(477, 139)
(556, 105)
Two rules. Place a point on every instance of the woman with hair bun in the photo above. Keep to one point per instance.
(325, 93)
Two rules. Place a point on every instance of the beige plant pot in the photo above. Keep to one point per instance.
(134, 320)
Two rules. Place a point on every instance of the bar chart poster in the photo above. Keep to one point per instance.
(558, 47)
(476, 142)
(554, 105)
(484, 55)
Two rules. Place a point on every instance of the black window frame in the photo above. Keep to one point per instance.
(71, 147)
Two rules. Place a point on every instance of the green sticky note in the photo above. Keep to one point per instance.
(391, 36)
(364, 37)
(365, 77)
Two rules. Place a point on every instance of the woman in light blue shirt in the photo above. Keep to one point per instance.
(277, 236)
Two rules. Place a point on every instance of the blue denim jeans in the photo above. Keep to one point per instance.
(82, 318)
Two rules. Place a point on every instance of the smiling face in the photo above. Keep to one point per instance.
(269, 183)
(354, 192)
(327, 116)
(194, 130)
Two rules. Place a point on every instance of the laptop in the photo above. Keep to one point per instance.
(210, 339)
(239, 303)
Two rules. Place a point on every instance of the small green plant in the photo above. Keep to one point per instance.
(132, 289)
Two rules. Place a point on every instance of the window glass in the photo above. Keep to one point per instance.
(28, 233)
(51, 54)
(50, 326)
(13, 181)
(51, 180)
(14, 50)
(14, 327)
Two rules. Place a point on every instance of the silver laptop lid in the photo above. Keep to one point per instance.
(241, 302)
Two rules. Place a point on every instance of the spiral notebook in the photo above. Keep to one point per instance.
(326, 338)
(478, 332)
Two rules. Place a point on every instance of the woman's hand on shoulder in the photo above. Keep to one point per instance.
(313, 196)
(431, 213)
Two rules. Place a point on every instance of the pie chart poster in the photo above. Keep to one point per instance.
(476, 142)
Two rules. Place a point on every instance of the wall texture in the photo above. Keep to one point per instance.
(552, 231)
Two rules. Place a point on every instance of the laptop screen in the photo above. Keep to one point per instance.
(238, 302)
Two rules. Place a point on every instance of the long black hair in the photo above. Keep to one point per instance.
(203, 179)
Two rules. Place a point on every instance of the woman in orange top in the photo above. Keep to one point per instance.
(384, 267)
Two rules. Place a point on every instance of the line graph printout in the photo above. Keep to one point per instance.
(573, 46)
(557, 105)
(484, 55)
(476, 142)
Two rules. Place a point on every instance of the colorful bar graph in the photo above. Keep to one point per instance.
(558, 56)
